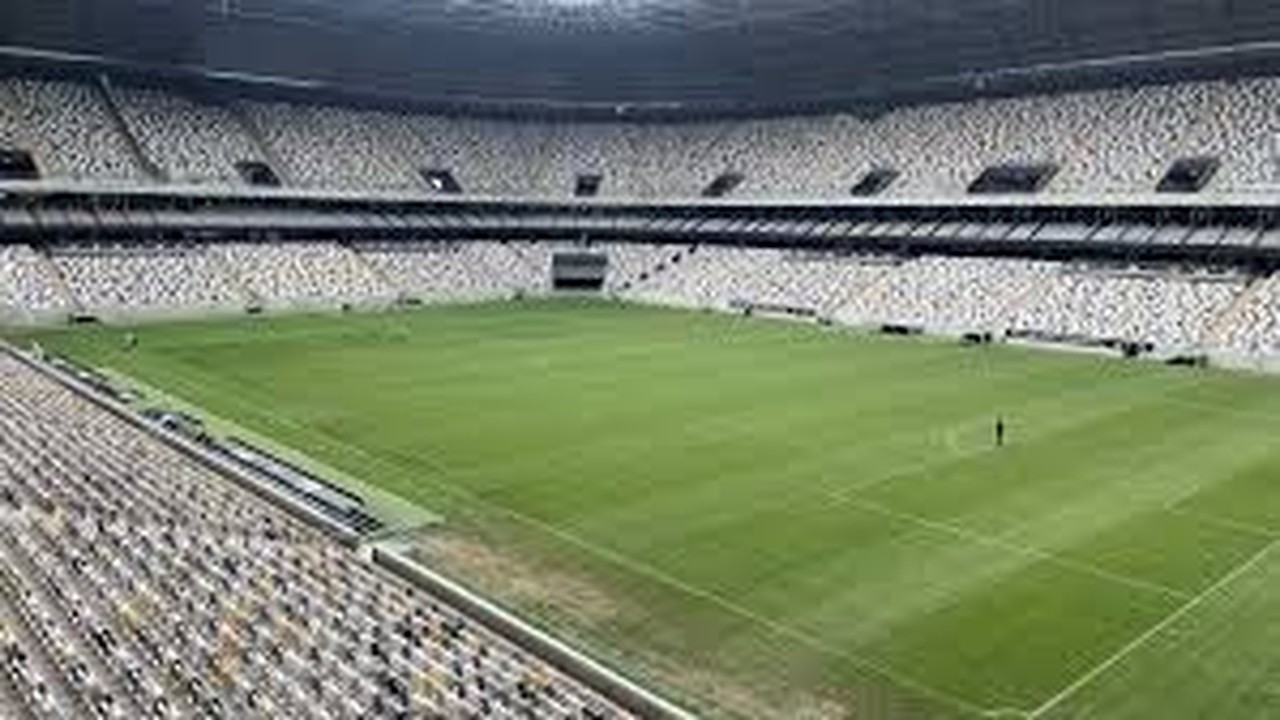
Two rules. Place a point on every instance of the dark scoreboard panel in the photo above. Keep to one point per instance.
(579, 270)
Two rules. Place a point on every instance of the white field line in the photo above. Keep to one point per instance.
(980, 538)
(1107, 663)
(1191, 603)
(804, 638)
(1245, 527)
(1261, 415)
(960, 453)
(852, 495)
(1171, 506)
(1244, 567)
(1228, 523)
(653, 573)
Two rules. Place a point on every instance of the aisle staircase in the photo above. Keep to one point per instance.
(1225, 324)
(57, 279)
(264, 148)
(393, 290)
(220, 264)
(108, 94)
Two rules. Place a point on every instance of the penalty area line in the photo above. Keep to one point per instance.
(646, 570)
(1142, 639)
(442, 480)
(1030, 551)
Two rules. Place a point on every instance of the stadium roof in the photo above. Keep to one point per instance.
(673, 54)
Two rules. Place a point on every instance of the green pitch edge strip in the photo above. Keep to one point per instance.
(400, 516)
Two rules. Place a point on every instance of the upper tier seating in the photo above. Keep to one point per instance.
(1110, 141)
(330, 147)
(66, 127)
(191, 142)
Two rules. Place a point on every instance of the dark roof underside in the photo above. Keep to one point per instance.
(674, 53)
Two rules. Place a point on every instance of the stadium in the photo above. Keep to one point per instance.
(613, 359)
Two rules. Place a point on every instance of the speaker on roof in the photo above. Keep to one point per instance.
(587, 185)
(441, 180)
(17, 164)
(257, 173)
(1014, 178)
(1189, 174)
(723, 184)
(874, 182)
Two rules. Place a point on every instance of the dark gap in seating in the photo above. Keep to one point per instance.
(874, 182)
(724, 184)
(579, 271)
(257, 173)
(17, 164)
(587, 185)
(1189, 174)
(1014, 178)
(442, 181)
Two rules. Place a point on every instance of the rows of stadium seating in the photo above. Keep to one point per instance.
(113, 277)
(298, 272)
(67, 128)
(135, 583)
(27, 281)
(177, 275)
(190, 141)
(1173, 308)
(1104, 141)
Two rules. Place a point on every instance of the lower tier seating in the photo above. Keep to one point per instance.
(1174, 308)
(134, 583)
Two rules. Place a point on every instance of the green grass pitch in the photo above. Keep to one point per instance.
(769, 519)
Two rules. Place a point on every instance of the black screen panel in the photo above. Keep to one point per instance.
(579, 270)
(724, 184)
(587, 185)
(17, 164)
(441, 180)
(1014, 178)
(874, 182)
(1188, 175)
(257, 173)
